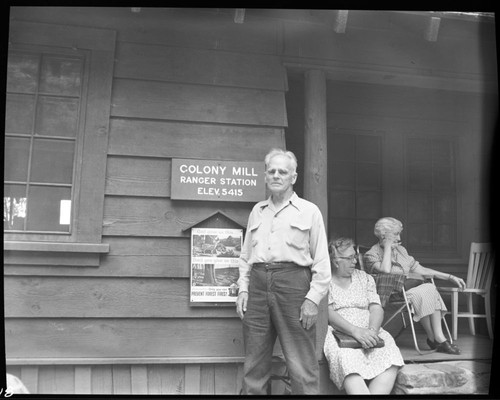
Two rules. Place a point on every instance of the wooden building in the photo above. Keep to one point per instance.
(390, 114)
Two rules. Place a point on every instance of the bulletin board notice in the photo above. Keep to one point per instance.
(214, 264)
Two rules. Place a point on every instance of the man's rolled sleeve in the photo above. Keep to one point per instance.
(320, 268)
(244, 278)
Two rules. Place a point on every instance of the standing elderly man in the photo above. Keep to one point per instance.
(284, 274)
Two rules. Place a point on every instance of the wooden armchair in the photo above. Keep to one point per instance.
(478, 282)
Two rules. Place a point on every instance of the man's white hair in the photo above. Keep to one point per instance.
(280, 152)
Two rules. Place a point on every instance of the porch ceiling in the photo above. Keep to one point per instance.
(431, 30)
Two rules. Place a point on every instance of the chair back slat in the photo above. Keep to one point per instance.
(473, 269)
(481, 264)
(489, 269)
(360, 251)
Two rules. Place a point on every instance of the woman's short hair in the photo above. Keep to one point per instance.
(385, 225)
(280, 152)
(338, 247)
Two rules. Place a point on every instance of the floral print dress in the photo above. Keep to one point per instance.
(352, 304)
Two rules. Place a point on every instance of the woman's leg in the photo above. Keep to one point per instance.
(384, 383)
(426, 324)
(354, 384)
(437, 328)
(429, 305)
(441, 343)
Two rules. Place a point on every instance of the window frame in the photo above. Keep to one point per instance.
(434, 255)
(78, 140)
(88, 191)
(357, 188)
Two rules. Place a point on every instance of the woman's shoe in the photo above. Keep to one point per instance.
(447, 347)
(433, 345)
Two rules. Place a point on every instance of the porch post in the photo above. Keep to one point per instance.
(315, 166)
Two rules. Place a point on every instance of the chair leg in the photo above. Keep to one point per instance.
(404, 320)
(412, 325)
(487, 308)
(447, 329)
(415, 342)
(454, 314)
(471, 311)
(414, 337)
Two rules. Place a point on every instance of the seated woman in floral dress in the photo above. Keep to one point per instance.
(388, 256)
(354, 308)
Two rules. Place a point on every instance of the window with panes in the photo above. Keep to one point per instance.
(44, 107)
(431, 222)
(355, 184)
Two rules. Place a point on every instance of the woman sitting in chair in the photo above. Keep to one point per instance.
(354, 308)
(389, 257)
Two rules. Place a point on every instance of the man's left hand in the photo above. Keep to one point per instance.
(308, 313)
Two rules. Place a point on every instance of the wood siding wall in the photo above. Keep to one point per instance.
(156, 378)
(117, 379)
(133, 310)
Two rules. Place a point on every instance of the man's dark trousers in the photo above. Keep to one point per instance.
(275, 295)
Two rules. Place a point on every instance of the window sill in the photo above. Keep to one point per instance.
(54, 254)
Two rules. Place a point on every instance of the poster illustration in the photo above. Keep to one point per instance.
(214, 264)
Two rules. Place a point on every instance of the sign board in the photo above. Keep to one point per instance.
(214, 264)
(217, 180)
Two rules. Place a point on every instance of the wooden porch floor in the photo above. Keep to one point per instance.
(478, 347)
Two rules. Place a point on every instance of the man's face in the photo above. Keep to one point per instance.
(279, 175)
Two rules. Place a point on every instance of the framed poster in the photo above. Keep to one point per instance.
(214, 265)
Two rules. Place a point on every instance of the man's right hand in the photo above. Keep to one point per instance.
(241, 304)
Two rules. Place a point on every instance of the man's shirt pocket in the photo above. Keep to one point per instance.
(298, 236)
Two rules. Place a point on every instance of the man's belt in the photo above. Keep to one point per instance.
(276, 264)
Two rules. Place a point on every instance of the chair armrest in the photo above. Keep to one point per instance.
(466, 290)
(447, 289)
